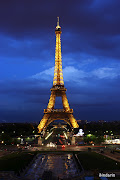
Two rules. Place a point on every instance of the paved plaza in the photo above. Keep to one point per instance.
(56, 165)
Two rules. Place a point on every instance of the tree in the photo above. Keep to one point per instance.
(89, 138)
(99, 140)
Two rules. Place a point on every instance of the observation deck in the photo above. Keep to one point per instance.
(58, 88)
(58, 111)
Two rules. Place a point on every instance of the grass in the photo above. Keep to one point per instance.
(16, 161)
(19, 160)
(118, 151)
(92, 161)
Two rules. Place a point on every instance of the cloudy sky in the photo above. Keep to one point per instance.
(90, 54)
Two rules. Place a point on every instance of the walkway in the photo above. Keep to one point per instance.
(58, 166)
(115, 156)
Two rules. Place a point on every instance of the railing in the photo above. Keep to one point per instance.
(58, 88)
(57, 111)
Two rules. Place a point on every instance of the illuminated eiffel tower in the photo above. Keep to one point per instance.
(58, 89)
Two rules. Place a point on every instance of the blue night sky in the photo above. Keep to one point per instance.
(90, 54)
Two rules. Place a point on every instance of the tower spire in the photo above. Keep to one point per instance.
(58, 26)
(58, 21)
(58, 74)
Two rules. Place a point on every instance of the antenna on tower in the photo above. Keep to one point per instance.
(58, 21)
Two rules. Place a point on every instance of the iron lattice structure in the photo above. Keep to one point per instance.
(58, 89)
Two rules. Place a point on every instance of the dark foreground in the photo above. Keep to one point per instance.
(56, 165)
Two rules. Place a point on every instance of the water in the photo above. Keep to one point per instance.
(89, 178)
(54, 165)
(92, 178)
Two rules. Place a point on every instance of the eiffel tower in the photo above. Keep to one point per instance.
(58, 89)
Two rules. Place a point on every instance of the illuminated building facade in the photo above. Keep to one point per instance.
(58, 89)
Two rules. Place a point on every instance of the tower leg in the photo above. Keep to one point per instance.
(51, 101)
(73, 121)
(65, 102)
(43, 122)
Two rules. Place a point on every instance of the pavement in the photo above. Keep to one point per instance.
(58, 166)
(115, 156)
(66, 148)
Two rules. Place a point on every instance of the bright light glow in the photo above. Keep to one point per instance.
(89, 135)
(65, 135)
(22, 142)
(69, 156)
(80, 133)
(36, 135)
(112, 141)
(48, 135)
(51, 145)
(2, 142)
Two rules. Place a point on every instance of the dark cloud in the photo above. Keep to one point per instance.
(91, 29)
(25, 17)
(97, 113)
(26, 49)
(24, 87)
(93, 26)
(33, 96)
(30, 15)
(20, 115)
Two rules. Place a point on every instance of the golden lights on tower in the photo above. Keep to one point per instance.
(58, 89)
(58, 73)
